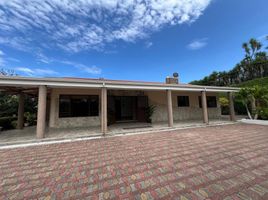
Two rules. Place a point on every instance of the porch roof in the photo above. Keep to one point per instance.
(30, 82)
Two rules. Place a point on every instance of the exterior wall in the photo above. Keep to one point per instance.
(57, 122)
(159, 99)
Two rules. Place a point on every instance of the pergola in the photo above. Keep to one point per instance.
(41, 87)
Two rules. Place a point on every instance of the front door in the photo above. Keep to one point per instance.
(125, 108)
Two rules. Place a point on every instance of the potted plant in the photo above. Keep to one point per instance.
(149, 111)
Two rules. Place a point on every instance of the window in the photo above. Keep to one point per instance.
(78, 106)
(211, 102)
(183, 101)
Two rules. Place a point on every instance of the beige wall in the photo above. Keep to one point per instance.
(57, 122)
(157, 98)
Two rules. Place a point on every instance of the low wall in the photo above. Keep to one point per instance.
(74, 122)
(191, 113)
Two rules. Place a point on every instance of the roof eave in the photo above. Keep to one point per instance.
(60, 82)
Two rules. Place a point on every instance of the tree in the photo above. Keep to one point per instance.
(244, 95)
(255, 96)
(259, 99)
(7, 72)
(254, 65)
(251, 48)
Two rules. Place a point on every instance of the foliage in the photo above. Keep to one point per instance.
(30, 118)
(254, 65)
(224, 103)
(149, 111)
(255, 96)
(263, 112)
(259, 81)
(7, 122)
(8, 105)
(7, 72)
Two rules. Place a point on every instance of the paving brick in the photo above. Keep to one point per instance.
(222, 162)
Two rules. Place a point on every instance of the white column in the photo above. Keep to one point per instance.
(20, 122)
(104, 111)
(170, 108)
(204, 107)
(41, 113)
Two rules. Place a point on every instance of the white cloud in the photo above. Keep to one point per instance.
(43, 58)
(89, 24)
(36, 72)
(197, 44)
(2, 62)
(148, 44)
(84, 68)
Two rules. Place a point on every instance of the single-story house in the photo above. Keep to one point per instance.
(81, 102)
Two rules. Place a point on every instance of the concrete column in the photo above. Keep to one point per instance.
(41, 113)
(20, 122)
(170, 109)
(204, 107)
(104, 110)
(231, 106)
(52, 111)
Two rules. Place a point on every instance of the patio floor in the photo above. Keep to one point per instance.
(28, 134)
(227, 162)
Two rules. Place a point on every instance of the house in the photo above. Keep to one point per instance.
(79, 102)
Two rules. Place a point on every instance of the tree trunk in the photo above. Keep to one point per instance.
(258, 106)
(253, 107)
(249, 115)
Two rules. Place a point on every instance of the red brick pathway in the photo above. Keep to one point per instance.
(225, 162)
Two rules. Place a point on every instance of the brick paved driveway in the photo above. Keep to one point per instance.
(225, 162)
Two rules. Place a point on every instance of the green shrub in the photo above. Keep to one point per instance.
(30, 118)
(149, 111)
(7, 122)
(263, 113)
(14, 124)
(239, 108)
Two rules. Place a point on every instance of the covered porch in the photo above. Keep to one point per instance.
(28, 134)
(48, 106)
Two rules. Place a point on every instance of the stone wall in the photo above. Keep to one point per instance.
(77, 122)
(159, 99)
(190, 113)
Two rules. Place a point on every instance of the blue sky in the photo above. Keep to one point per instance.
(127, 39)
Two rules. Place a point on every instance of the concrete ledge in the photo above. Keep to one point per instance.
(258, 122)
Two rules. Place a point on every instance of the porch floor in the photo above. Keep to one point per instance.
(28, 134)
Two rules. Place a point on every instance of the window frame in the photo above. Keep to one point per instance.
(208, 104)
(72, 110)
(187, 98)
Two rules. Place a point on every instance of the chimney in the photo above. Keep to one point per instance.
(173, 80)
